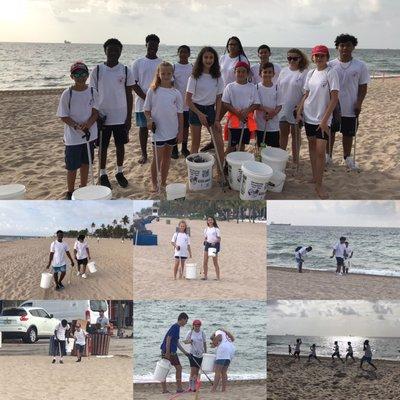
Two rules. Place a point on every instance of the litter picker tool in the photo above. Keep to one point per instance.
(151, 134)
(241, 135)
(87, 137)
(209, 379)
(297, 140)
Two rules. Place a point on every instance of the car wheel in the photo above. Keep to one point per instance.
(30, 336)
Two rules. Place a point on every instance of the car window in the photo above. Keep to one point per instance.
(42, 313)
(34, 313)
(13, 312)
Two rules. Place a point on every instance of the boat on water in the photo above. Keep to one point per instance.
(278, 224)
(67, 42)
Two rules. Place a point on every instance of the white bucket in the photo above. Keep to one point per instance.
(275, 157)
(15, 191)
(200, 174)
(45, 281)
(276, 181)
(208, 362)
(212, 252)
(255, 180)
(191, 271)
(69, 346)
(92, 192)
(235, 161)
(176, 191)
(162, 369)
(92, 267)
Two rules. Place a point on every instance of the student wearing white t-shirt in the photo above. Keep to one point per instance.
(58, 251)
(80, 341)
(264, 53)
(339, 250)
(270, 105)
(82, 255)
(114, 82)
(78, 109)
(181, 244)
(61, 335)
(163, 109)
(143, 70)
(182, 71)
(354, 78)
(319, 101)
(212, 239)
(290, 86)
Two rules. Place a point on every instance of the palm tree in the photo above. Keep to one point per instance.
(125, 220)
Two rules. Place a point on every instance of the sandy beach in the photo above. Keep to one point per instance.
(288, 284)
(23, 261)
(242, 264)
(34, 154)
(293, 381)
(237, 390)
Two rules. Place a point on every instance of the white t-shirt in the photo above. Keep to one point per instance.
(319, 84)
(226, 349)
(81, 250)
(197, 346)
(80, 110)
(205, 89)
(291, 88)
(80, 337)
(227, 65)
(103, 322)
(112, 92)
(182, 72)
(301, 253)
(183, 241)
(351, 75)
(60, 331)
(339, 249)
(59, 257)
(143, 70)
(269, 97)
(164, 105)
(255, 73)
(212, 234)
(348, 250)
(240, 96)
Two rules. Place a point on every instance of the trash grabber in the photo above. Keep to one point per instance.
(151, 134)
(87, 136)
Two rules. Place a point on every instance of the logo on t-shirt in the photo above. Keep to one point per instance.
(121, 80)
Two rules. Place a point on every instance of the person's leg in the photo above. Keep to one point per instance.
(224, 377)
(312, 150)
(295, 143)
(84, 267)
(216, 266)
(347, 145)
(182, 269)
(319, 168)
(164, 387)
(165, 163)
(62, 276)
(370, 363)
(143, 137)
(154, 172)
(217, 377)
(120, 153)
(71, 177)
(284, 135)
(205, 264)
(176, 266)
(55, 276)
(195, 133)
(184, 148)
(329, 149)
(178, 369)
(84, 173)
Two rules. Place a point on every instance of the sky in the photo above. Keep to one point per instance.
(281, 23)
(44, 218)
(333, 318)
(335, 213)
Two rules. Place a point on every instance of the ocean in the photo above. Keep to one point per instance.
(46, 65)
(385, 348)
(13, 238)
(376, 250)
(246, 320)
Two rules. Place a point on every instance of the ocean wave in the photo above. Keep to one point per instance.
(148, 378)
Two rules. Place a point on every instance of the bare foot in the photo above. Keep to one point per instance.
(321, 192)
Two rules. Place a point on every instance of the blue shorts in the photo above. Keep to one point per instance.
(141, 120)
(62, 268)
(367, 359)
(80, 347)
(234, 137)
(186, 119)
(77, 155)
(339, 261)
(207, 245)
(209, 111)
(224, 363)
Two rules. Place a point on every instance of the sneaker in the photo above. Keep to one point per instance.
(84, 276)
(104, 181)
(61, 286)
(57, 287)
(61, 362)
(54, 361)
(78, 273)
(328, 159)
(121, 179)
(351, 164)
(175, 153)
(68, 196)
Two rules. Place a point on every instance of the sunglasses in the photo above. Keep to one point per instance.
(293, 58)
(79, 74)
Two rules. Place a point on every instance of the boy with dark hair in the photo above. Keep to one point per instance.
(61, 334)
(338, 251)
(143, 71)
(299, 254)
(169, 348)
(354, 78)
(113, 81)
(264, 53)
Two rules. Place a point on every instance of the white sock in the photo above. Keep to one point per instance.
(120, 169)
(103, 172)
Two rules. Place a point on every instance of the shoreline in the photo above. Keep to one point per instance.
(327, 358)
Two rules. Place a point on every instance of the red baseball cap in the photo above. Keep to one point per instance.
(196, 322)
(242, 64)
(320, 49)
(79, 66)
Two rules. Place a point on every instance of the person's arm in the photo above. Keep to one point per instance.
(333, 253)
(168, 347)
(232, 109)
(139, 91)
(205, 346)
(182, 349)
(75, 253)
(50, 259)
(190, 251)
(69, 256)
(88, 252)
(218, 105)
(334, 98)
(70, 122)
(129, 103)
(92, 119)
(179, 138)
(300, 106)
(231, 337)
(362, 92)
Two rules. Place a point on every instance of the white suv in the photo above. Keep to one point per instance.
(28, 323)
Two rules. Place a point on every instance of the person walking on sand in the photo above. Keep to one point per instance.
(348, 254)
(349, 352)
(290, 349)
(61, 335)
(338, 251)
(212, 239)
(313, 353)
(58, 251)
(296, 353)
(169, 348)
(299, 254)
(82, 255)
(223, 341)
(181, 244)
(367, 355)
(80, 341)
(336, 352)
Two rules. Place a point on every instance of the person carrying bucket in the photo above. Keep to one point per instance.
(223, 341)
(82, 255)
(212, 239)
(58, 250)
(169, 348)
(299, 254)
(181, 244)
(61, 334)
(198, 346)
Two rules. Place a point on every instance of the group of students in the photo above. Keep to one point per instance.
(59, 250)
(182, 250)
(221, 340)
(367, 357)
(264, 99)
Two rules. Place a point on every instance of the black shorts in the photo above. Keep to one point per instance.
(84, 262)
(234, 137)
(77, 155)
(174, 359)
(162, 143)
(80, 347)
(207, 245)
(271, 138)
(312, 131)
(118, 131)
(193, 360)
(209, 111)
(59, 345)
(180, 258)
(347, 126)
(339, 261)
(186, 119)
